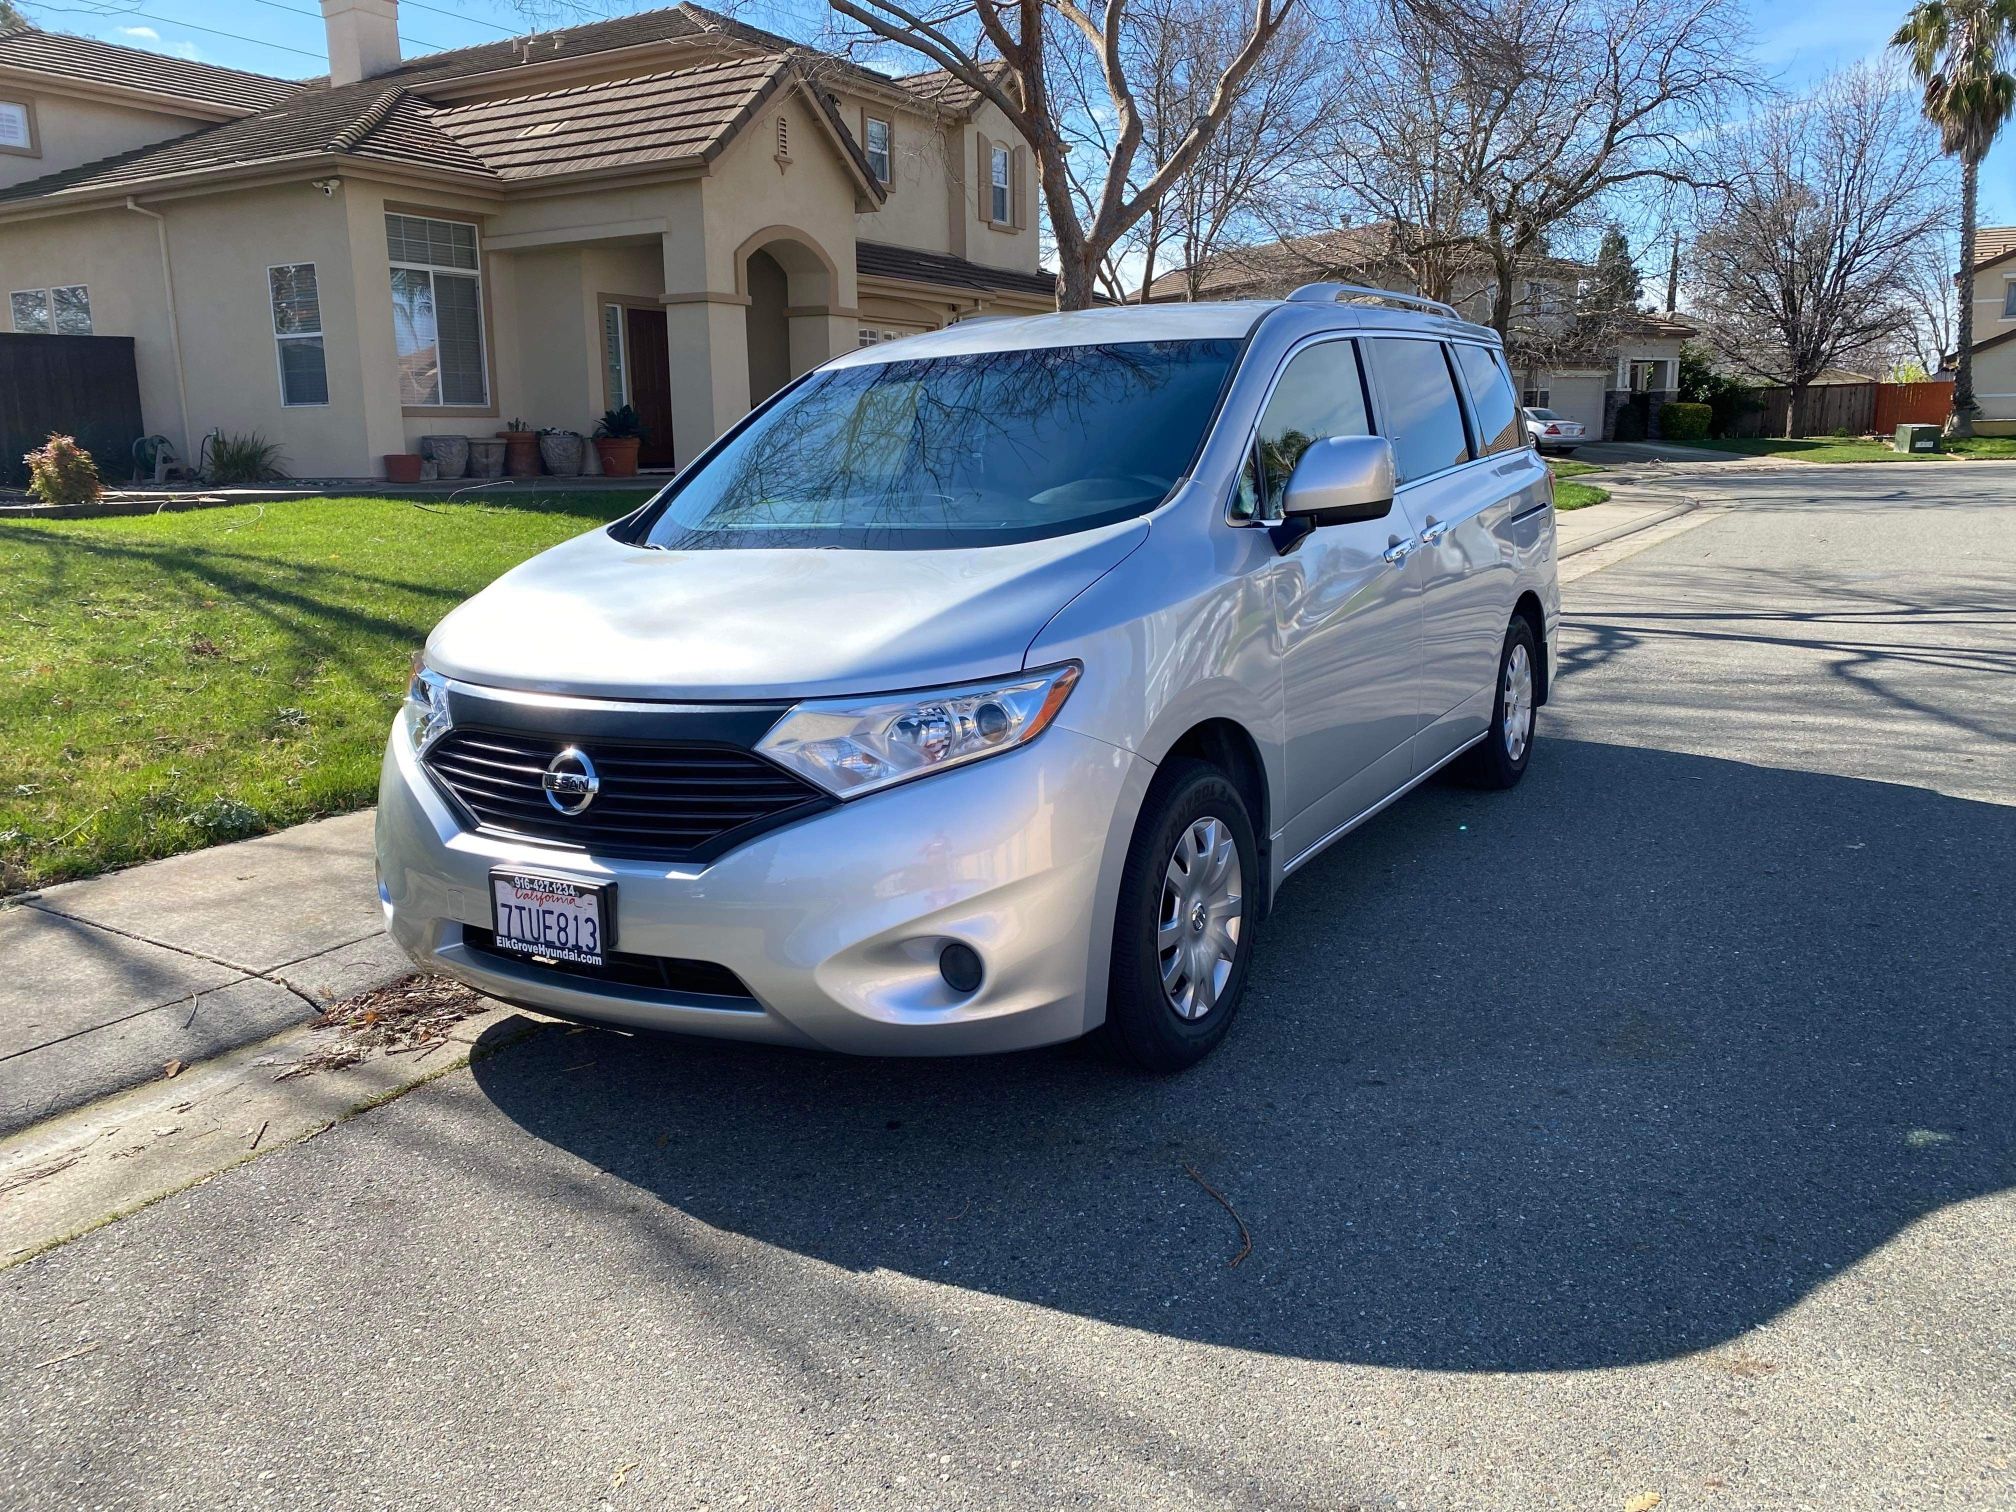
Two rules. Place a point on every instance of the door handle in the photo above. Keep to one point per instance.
(1435, 531)
(1397, 551)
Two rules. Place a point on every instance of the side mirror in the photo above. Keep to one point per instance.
(1338, 481)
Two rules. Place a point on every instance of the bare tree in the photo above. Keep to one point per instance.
(1241, 181)
(1048, 50)
(1500, 127)
(1803, 261)
(1927, 287)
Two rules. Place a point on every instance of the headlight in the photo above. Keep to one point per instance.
(851, 746)
(427, 717)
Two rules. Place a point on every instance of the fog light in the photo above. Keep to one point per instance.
(960, 966)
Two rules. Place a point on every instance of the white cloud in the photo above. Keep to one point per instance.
(138, 33)
(146, 36)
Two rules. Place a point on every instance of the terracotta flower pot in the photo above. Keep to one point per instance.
(521, 453)
(403, 467)
(618, 454)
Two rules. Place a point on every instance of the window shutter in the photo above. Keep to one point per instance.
(983, 178)
(1018, 186)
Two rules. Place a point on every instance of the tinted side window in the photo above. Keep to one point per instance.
(1498, 427)
(1320, 395)
(1422, 416)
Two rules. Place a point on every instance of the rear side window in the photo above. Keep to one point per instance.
(1498, 427)
(1321, 394)
(1423, 418)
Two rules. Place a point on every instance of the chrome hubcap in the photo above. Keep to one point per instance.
(1518, 696)
(1197, 931)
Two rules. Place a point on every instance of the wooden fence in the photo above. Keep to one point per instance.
(1861, 409)
(84, 386)
(1912, 404)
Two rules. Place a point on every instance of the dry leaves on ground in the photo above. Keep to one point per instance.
(411, 1016)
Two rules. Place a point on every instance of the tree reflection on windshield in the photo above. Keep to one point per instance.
(954, 451)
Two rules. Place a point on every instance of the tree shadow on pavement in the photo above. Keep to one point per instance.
(1605, 1072)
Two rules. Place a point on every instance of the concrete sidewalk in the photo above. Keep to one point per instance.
(108, 979)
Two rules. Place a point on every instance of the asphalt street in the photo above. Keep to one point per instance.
(1646, 1131)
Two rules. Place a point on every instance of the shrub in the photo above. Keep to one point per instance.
(62, 472)
(1729, 398)
(617, 424)
(241, 459)
(1685, 422)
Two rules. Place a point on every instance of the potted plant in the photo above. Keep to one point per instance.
(560, 449)
(618, 434)
(521, 449)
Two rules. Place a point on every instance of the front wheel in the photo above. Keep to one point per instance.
(1499, 760)
(1184, 934)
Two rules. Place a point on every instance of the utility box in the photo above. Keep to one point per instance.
(1916, 438)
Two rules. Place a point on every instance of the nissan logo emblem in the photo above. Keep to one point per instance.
(570, 781)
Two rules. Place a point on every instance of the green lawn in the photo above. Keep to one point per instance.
(1840, 449)
(1575, 495)
(169, 681)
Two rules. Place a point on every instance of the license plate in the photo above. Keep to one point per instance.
(550, 917)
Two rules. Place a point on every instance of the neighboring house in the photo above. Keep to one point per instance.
(670, 209)
(1558, 365)
(1995, 330)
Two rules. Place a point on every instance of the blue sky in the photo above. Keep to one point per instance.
(1796, 43)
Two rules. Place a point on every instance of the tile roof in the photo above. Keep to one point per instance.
(369, 120)
(687, 113)
(881, 260)
(1991, 243)
(945, 90)
(94, 62)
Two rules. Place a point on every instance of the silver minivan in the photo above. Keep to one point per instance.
(980, 690)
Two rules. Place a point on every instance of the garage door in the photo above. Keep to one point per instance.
(1578, 399)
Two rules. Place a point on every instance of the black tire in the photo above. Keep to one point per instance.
(1144, 1026)
(1493, 762)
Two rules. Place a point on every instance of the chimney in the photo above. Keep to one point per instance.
(363, 38)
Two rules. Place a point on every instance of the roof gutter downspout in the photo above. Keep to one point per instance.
(174, 327)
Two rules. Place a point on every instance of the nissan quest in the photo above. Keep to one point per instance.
(981, 690)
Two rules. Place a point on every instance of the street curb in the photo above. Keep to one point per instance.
(1629, 528)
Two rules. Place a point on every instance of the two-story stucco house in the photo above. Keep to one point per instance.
(670, 209)
(1995, 330)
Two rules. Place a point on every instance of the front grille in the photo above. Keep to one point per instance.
(653, 973)
(660, 800)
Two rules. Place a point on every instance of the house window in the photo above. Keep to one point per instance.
(64, 311)
(1536, 398)
(879, 157)
(615, 372)
(17, 129)
(297, 333)
(997, 199)
(437, 311)
(2009, 300)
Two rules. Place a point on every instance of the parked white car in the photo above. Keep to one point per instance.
(1553, 433)
(981, 690)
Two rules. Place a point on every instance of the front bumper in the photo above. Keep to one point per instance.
(834, 923)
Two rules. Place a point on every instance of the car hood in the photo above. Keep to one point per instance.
(599, 618)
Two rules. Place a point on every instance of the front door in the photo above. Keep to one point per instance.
(1349, 617)
(650, 383)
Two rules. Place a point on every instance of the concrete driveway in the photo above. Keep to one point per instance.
(1642, 1134)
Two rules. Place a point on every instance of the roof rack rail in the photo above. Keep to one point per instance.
(1337, 293)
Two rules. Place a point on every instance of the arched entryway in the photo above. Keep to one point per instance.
(793, 291)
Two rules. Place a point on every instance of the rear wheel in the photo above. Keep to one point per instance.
(1184, 934)
(1499, 760)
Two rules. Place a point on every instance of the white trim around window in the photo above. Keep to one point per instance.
(437, 312)
(2009, 299)
(1000, 194)
(294, 297)
(878, 145)
(615, 355)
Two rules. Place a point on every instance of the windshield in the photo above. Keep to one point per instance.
(1542, 414)
(974, 450)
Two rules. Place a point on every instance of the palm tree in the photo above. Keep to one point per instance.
(1957, 49)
